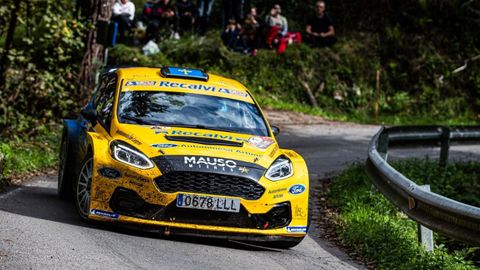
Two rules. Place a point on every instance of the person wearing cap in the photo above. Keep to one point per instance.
(123, 13)
(319, 30)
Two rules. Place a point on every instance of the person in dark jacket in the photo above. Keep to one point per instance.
(250, 33)
(204, 11)
(319, 30)
(230, 36)
(186, 13)
(161, 15)
(235, 9)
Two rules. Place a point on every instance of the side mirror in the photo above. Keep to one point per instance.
(90, 114)
(275, 130)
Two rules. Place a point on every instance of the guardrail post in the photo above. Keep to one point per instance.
(425, 235)
(382, 146)
(444, 146)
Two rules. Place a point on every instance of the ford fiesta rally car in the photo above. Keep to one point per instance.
(186, 153)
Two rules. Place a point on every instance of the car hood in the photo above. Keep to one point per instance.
(207, 146)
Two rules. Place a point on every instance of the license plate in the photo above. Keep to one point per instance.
(208, 203)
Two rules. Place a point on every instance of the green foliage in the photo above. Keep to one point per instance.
(459, 181)
(43, 63)
(38, 153)
(377, 230)
(341, 78)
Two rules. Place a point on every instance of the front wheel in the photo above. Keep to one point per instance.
(83, 187)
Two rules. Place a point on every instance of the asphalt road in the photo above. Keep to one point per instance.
(40, 231)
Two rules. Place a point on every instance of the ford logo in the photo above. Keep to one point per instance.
(296, 189)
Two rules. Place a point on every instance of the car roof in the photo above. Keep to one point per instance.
(152, 79)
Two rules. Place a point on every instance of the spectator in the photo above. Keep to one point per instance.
(147, 10)
(235, 9)
(123, 15)
(261, 25)
(277, 33)
(186, 13)
(319, 29)
(230, 35)
(204, 11)
(161, 15)
(250, 33)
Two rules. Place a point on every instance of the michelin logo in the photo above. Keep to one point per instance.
(164, 145)
(297, 229)
(104, 214)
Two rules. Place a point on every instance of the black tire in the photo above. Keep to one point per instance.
(66, 172)
(82, 187)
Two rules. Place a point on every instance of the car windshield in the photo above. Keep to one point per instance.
(190, 110)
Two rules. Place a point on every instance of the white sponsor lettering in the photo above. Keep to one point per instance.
(217, 163)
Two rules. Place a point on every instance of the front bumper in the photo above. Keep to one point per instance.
(156, 209)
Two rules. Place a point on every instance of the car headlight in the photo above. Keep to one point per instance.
(129, 155)
(280, 169)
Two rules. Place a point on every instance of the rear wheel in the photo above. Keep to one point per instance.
(65, 170)
(83, 187)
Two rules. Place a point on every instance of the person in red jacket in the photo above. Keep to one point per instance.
(277, 33)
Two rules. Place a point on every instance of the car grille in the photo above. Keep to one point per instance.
(210, 183)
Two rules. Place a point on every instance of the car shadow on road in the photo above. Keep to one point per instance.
(43, 203)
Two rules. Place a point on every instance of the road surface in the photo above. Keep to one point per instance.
(40, 231)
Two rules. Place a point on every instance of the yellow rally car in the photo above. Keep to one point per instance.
(183, 152)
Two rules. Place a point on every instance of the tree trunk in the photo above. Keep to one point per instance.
(8, 42)
(95, 10)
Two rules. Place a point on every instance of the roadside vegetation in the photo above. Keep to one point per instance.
(372, 226)
(18, 156)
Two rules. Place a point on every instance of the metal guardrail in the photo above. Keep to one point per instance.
(441, 214)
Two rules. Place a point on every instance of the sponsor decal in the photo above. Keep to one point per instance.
(109, 173)
(230, 150)
(210, 163)
(260, 142)
(273, 151)
(291, 154)
(133, 183)
(278, 196)
(300, 212)
(160, 129)
(243, 169)
(130, 137)
(164, 145)
(297, 229)
(202, 88)
(277, 190)
(136, 177)
(104, 214)
(199, 134)
(296, 189)
(140, 83)
(206, 164)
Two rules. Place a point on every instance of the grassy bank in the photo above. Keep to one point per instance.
(342, 79)
(373, 227)
(29, 155)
